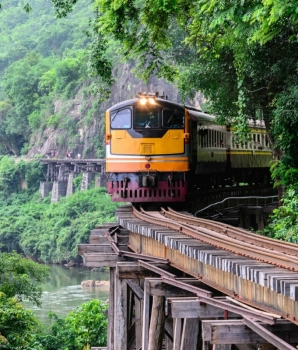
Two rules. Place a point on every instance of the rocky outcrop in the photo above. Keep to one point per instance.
(95, 284)
(85, 116)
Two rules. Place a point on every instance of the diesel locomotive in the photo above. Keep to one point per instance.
(161, 151)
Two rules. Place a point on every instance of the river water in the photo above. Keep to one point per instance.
(63, 292)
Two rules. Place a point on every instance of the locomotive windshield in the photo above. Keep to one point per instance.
(121, 119)
(146, 117)
(172, 119)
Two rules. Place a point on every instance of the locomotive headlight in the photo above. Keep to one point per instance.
(151, 100)
(143, 101)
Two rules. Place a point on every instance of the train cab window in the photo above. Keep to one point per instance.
(146, 117)
(121, 119)
(172, 119)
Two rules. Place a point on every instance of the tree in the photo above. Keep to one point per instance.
(84, 327)
(17, 325)
(21, 277)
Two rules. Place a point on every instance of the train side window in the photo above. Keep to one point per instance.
(172, 119)
(121, 119)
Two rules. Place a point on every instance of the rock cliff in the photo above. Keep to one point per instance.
(80, 125)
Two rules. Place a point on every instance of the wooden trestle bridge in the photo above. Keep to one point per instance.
(177, 283)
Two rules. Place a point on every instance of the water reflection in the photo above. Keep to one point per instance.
(63, 292)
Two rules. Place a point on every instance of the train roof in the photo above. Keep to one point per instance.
(160, 101)
(196, 114)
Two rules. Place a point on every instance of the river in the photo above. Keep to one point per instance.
(63, 292)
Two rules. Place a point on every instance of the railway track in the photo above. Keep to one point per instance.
(256, 270)
(223, 236)
(202, 268)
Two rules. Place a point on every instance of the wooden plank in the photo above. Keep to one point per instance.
(133, 270)
(294, 292)
(98, 240)
(138, 322)
(195, 309)
(120, 318)
(189, 338)
(98, 257)
(100, 232)
(111, 310)
(157, 323)
(155, 286)
(235, 332)
(97, 248)
(100, 260)
(137, 290)
(145, 323)
(169, 328)
(177, 333)
(221, 347)
(286, 286)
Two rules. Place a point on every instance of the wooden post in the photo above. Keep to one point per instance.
(157, 323)
(111, 310)
(177, 333)
(145, 325)
(120, 318)
(190, 333)
(138, 322)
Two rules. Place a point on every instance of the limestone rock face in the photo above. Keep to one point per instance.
(80, 128)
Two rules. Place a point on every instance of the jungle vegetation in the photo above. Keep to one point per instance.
(36, 229)
(20, 329)
(242, 55)
(47, 232)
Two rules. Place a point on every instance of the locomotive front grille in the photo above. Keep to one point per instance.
(147, 148)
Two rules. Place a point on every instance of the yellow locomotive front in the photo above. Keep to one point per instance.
(148, 150)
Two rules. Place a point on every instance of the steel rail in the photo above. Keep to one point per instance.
(212, 238)
(251, 314)
(234, 232)
(233, 198)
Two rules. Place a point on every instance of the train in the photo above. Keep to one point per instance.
(160, 151)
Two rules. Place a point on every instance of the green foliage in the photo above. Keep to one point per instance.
(84, 327)
(284, 221)
(12, 174)
(41, 61)
(53, 120)
(51, 232)
(21, 277)
(17, 324)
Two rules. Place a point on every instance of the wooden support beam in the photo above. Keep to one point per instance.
(235, 332)
(120, 315)
(138, 322)
(193, 308)
(98, 240)
(137, 290)
(156, 269)
(155, 286)
(99, 260)
(221, 347)
(190, 333)
(97, 248)
(133, 270)
(177, 333)
(266, 334)
(169, 328)
(157, 323)
(111, 310)
(146, 320)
